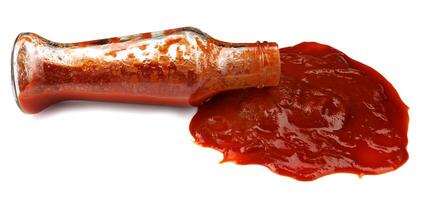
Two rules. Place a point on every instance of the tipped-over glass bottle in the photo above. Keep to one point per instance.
(181, 66)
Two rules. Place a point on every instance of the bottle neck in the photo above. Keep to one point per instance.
(251, 65)
(239, 66)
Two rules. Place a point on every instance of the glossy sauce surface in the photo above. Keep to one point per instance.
(329, 114)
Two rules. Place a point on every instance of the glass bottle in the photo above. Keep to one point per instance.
(182, 66)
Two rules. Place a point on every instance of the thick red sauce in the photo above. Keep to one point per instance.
(329, 114)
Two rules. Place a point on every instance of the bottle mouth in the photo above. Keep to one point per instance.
(270, 62)
(14, 68)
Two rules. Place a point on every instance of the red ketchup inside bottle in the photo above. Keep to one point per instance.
(182, 66)
(329, 114)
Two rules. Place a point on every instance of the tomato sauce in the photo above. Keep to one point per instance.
(329, 114)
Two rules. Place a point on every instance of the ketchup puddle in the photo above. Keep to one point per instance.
(329, 114)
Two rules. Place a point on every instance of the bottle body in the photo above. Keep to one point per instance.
(181, 66)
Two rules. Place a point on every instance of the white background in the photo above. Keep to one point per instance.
(88, 150)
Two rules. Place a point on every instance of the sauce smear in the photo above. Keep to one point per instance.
(329, 114)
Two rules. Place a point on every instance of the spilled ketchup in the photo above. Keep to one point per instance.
(329, 114)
